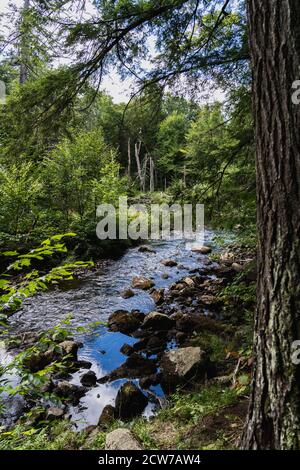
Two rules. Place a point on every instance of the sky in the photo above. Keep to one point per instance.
(120, 90)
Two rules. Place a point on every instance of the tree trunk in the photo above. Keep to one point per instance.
(144, 173)
(274, 412)
(23, 52)
(151, 163)
(137, 151)
(129, 157)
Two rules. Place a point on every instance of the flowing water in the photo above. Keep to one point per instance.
(94, 298)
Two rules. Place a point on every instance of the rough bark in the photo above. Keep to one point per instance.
(274, 413)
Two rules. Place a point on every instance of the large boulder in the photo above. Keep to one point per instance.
(146, 249)
(179, 366)
(121, 439)
(151, 344)
(40, 360)
(82, 364)
(54, 413)
(227, 257)
(147, 382)
(237, 267)
(135, 366)
(127, 349)
(158, 295)
(125, 322)
(169, 263)
(107, 417)
(155, 344)
(69, 348)
(157, 321)
(88, 379)
(69, 391)
(141, 282)
(221, 270)
(203, 250)
(127, 293)
(36, 362)
(210, 301)
(130, 401)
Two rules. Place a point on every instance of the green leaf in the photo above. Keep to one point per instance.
(30, 432)
(10, 253)
(3, 283)
(25, 262)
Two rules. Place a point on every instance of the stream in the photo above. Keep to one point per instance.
(93, 299)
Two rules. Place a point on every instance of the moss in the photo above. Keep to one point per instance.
(174, 427)
(96, 443)
(239, 292)
(213, 344)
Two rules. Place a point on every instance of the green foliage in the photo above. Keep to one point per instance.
(14, 291)
(204, 154)
(70, 176)
(61, 192)
(207, 140)
(99, 113)
(174, 425)
(110, 185)
(219, 159)
(59, 122)
(31, 384)
(54, 436)
(170, 142)
(19, 190)
(215, 345)
(34, 119)
(143, 431)
(239, 292)
(192, 406)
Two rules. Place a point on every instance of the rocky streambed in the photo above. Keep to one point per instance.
(154, 300)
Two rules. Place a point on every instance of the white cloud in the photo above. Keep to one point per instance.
(120, 90)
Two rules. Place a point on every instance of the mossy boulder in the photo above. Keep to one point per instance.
(141, 282)
(121, 439)
(157, 321)
(179, 366)
(125, 322)
(130, 402)
(135, 366)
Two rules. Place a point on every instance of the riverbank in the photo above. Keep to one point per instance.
(211, 399)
